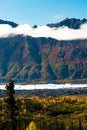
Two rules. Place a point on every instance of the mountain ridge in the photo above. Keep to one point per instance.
(12, 24)
(43, 60)
(71, 23)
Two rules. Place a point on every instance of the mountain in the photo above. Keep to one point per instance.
(8, 22)
(71, 23)
(43, 60)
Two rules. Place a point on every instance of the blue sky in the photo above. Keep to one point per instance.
(42, 12)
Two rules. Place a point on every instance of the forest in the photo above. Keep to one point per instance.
(42, 113)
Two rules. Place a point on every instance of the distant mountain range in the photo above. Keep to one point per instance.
(44, 60)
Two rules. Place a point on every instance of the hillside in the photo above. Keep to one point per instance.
(43, 60)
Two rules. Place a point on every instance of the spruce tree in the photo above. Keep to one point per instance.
(10, 110)
(80, 125)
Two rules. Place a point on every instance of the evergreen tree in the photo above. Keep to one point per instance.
(71, 127)
(80, 125)
(62, 126)
(10, 110)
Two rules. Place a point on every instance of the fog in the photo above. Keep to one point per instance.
(61, 33)
(46, 86)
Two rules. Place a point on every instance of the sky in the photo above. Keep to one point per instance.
(42, 12)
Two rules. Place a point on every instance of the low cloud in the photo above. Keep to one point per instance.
(61, 33)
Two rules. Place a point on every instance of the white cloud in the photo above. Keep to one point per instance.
(61, 33)
(45, 86)
(59, 16)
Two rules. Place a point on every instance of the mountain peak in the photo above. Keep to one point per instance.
(71, 23)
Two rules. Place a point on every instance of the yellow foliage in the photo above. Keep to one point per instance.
(32, 126)
(25, 110)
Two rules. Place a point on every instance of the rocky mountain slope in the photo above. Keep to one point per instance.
(43, 60)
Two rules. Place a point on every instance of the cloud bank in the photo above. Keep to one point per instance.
(61, 33)
(45, 86)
